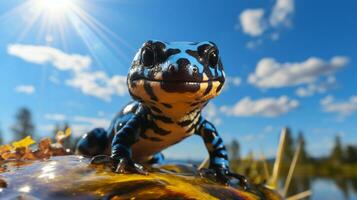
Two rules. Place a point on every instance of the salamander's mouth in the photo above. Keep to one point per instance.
(177, 85)
(177, 81)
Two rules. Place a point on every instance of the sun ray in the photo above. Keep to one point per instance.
(15, 11)
(57, 22)
(103, 32)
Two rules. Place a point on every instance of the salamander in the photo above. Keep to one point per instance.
(170, 84)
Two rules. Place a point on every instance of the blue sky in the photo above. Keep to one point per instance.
(288, 63)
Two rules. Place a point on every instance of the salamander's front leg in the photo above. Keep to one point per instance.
(218, 154)
(121, 147)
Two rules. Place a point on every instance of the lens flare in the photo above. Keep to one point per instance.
(54, 9)
(59, 22)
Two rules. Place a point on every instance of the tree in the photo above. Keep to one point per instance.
(289, 146)
(337, 151)
(23, 125)
(351, 154)
(69, 141)
(234, 150)
(303, 156)
(1, 137)
(56, 129)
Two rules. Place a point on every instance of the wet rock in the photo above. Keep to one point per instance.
(72, 177)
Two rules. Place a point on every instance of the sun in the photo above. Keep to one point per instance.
(57, 22)
(54, 9)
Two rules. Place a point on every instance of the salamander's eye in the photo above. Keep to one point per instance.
(213, 58)
(148, 56)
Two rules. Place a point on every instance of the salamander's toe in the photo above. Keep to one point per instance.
(101, 159)
(127, 166)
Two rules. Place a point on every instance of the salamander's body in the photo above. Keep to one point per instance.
(170, 83)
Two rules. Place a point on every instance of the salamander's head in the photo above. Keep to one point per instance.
(168, 73)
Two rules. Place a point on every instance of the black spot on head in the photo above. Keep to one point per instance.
(204, 56)
(183, 63)
(171, 52)
(195, 55)
(161, 54)
(202, 50)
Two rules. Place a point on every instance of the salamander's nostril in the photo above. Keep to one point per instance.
(194, 70)
(172, 68)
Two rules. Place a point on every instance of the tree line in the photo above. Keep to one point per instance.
(24, 126)
(339, 153)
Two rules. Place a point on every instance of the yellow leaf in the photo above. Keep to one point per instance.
(5, 148)
(27, 141)
(68, 132)
(61, 135)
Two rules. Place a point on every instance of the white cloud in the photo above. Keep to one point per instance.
(231, 82)
(94, 121)
(93, 83)
(342, 108)
(255, 22)
(55, 116)
(271, 74)
(82, 124)
(79, 124)
(252, 21)
(44, 54)
(313, 88)
(281, 13)
(265, 107)
(25, 89)
(234, 81)
(98, 84)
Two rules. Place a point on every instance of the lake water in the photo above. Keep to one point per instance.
(326, 188)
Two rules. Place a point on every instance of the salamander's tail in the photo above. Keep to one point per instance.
(94, 143)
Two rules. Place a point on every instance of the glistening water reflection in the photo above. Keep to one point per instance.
(326, 188)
